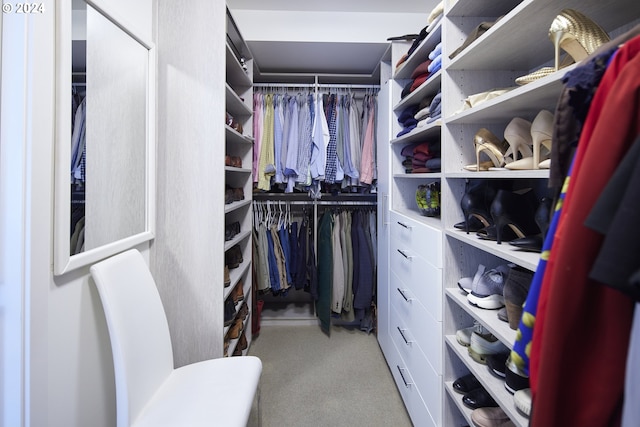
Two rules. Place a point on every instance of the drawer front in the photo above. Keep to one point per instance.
(420, 325)
(410, 393)
(419, 276)
(417, 237)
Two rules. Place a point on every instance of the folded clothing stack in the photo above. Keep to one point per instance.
(407, 120)
(422, 157)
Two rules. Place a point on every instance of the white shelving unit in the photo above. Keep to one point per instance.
(516, 45)
(239, 102)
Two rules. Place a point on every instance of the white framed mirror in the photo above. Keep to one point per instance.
(105, 135)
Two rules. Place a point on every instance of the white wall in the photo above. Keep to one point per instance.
(67, 374)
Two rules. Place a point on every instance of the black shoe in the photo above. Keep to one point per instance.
(496, 364)
(229, 311)
(478, 398)
(466, 383)
(231, 230)
(514, 380)
(515, 210)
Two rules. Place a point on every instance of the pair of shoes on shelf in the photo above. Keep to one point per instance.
(233, 123)
(491, 417)
(485, 345)
(478, 398)
(487, 287)
(233, 257)
(466, 383)
(244, 311)
(233, 161)
(576, 34)
(236, 329)
(514, 379)
(516, 289)
(542, 218)
(505, 214)
(463, 336)
(229, 311)
(521, 148)
(237, 294)
(497, 364)
(231, 230)
(233, 195)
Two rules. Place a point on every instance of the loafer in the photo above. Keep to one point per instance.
(490, 417)
(466, 383)
(478, 398)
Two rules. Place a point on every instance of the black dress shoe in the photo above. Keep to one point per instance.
(474, 225)
(466, 383)
(478, 398)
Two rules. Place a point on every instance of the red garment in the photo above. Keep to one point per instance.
(423, 68)
(418, 81)
(582, 328)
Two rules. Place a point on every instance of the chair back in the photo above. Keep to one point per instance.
(137, 323)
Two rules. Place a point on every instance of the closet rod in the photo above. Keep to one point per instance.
(319, 85)
(317, 202)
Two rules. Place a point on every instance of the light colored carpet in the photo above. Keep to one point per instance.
(310, 379)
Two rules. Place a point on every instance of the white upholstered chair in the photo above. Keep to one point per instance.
(149, 391)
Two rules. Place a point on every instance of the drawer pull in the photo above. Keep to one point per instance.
(406, 298)
(408, 227)
(406, 384)
(406, 341)
(404, 254)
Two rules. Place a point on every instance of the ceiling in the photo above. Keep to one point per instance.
(346, 46)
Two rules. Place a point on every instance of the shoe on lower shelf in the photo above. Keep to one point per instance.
(466, 383)
(463, 336)
(490, 417)
(515, 379)
(478, 398)
(483, 345)
(522, 400)
(497, 364)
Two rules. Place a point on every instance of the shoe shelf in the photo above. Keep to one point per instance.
(235, 105)
(236, 170)
(420, 54)
(236, 205)
(236, 76)
(235, 137)
(488, 318)
(237, 239)
(457, 400)
(465, 8)
(492, 384)
(528, 260)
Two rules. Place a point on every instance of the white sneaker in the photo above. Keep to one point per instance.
(522, 400)
(463, 336)
(483, 345)
(487, 292)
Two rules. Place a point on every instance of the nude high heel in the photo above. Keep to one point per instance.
(541, 133)
(576, 34)
(518, 135)
(486, 142)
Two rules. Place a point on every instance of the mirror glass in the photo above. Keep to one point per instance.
(108, 166)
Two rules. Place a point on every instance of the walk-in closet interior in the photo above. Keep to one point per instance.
(452, 180)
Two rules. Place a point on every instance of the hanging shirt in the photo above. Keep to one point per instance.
(291, 162)
(277, 137)
(257, 132)
(304, 148)
(320, 140)
(367, 165)
(266, 168)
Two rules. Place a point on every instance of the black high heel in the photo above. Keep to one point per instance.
(476, 203)
(516, 210)
(541, 217)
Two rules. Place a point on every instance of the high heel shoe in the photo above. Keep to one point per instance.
(489, 144)
(476, 201)
(541, 218)
(518, 135)
(541, 133)
(576, 34)
(514, 209)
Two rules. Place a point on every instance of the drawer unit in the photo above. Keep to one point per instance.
(419, 324)
(422, 278)
(417, 237)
